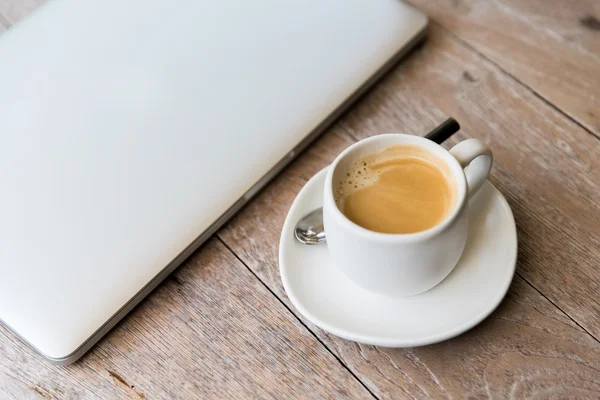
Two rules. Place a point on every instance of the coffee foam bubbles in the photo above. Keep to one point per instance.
(359, 175)
(370, 169)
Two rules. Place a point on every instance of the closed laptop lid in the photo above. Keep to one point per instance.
(128, 128)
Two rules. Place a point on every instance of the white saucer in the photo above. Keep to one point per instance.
(469, 294)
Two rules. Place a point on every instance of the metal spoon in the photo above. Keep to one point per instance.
(310, 230)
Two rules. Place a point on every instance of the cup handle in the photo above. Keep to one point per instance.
(477, 158)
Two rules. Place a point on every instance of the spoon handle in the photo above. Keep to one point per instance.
(443, 131)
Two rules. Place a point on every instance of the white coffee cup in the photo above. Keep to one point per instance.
(404, 264)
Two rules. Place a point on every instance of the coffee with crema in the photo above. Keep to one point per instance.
(402, 189)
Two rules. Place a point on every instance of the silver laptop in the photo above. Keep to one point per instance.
(131, 131)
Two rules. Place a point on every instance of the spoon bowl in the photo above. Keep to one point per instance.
(309, 229)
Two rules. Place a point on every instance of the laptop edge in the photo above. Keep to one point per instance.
(150, 286)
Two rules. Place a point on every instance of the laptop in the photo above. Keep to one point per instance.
(131, 131)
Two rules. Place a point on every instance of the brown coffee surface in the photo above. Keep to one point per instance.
(402, 189)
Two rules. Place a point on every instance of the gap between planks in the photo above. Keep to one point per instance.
(342, 363)
(517, 80)
(557, 307)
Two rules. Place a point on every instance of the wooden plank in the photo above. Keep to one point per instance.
(211, 331)
(546, 166)
(553, 47)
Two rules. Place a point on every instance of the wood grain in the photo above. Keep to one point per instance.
(211, 331)
(552, 47)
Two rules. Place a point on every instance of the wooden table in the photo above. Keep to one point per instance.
(524, 76)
